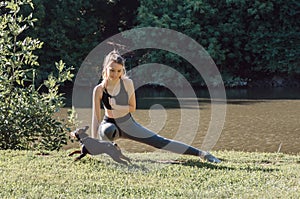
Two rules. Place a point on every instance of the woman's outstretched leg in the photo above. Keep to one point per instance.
(134, 131)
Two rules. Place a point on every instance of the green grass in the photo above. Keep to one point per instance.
(27, 174)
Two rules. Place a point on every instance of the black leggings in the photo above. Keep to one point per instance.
(126, 127)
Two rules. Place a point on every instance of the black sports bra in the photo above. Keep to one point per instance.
(121, 98)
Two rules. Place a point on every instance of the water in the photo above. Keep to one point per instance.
(264, 120)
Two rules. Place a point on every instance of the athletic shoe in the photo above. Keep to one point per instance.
(209, 157)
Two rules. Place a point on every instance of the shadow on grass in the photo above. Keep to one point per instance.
(190, 163)
(142, 164)
(200, 164)
(247, 167)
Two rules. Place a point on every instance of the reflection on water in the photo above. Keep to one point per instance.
(238, 93)
(83, 95)
(264, 93)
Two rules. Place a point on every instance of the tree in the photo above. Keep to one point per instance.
(247, 39)
(70, 29)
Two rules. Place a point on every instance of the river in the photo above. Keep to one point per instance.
(254, 122)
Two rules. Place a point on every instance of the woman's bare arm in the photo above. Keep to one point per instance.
(96, 110)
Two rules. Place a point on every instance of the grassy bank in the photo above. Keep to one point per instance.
(27, 174)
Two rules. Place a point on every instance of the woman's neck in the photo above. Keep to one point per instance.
(113, 87)
(112, 84)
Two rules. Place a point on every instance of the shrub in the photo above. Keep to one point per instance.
(27, 110)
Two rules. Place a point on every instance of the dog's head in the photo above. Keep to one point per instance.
(80, 133)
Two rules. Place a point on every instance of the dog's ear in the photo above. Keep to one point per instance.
(82, 129)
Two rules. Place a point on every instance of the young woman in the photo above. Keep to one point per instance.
(116, 93)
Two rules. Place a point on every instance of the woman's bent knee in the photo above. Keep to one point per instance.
(108, 131)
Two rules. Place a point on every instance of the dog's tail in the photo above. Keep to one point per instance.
(75, 152)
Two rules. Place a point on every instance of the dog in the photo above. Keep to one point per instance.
(94, 146)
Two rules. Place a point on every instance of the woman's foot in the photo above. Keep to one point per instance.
(209, 157)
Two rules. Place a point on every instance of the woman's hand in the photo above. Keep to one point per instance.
(115, 107)
(112, 102)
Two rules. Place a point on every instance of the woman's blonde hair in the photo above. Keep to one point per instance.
(113, 57)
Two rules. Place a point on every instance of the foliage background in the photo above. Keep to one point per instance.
(246, 39)
(249, 40)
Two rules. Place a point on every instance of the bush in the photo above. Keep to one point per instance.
(26, 110)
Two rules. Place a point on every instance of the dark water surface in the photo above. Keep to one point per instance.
(238, 93)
